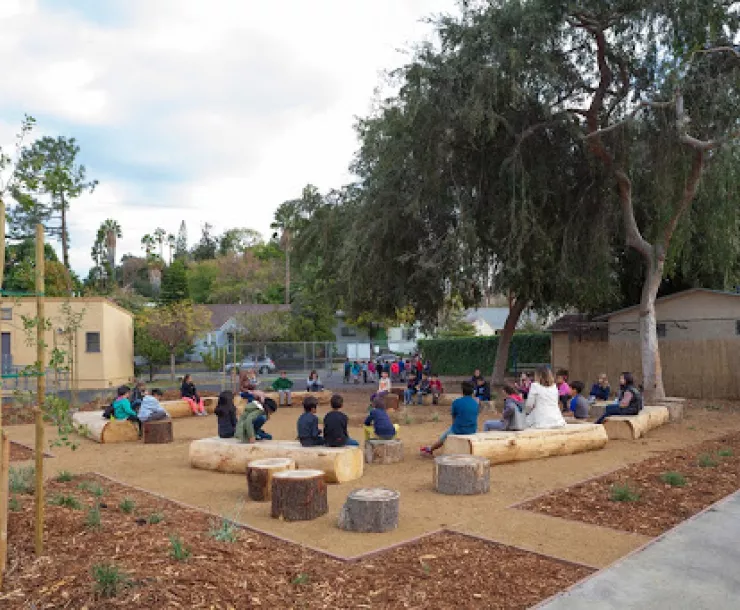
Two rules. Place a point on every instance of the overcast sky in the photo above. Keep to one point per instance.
(199, 110)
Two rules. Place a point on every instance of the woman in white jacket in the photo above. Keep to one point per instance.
(542, 406)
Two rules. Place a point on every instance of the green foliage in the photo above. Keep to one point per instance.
(206, 248)
(92, 521)
(727, 452)
(178, 550)
(64, 476)
(674, 479)
(223, 530)
(22, 479)
(155, 518)
(65, 501)
(301, 579)
(57, 411)
(14, 504)
(174, 283)
(109, 579)
(127, 506)
(214, 360)
(463, 356)
(705, 460)
(623, 493)
(92, 487)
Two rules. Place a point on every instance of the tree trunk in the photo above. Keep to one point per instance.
(299, 495)
(172, 366)
(383, 452)
(287, 274)
(504, 341)
(260, 473)
(652, 372)
(157, 432)
(65, 237)
(462, 475)
(373, 509)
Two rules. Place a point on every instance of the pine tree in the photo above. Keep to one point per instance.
(181, 243)
(174, 283)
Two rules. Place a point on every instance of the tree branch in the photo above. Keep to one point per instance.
(689, 193)
(632, 232)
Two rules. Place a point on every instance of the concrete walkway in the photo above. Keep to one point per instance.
(695, 566)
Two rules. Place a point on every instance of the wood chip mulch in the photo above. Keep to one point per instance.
(19, 453)
(711, 471)
(439, 571)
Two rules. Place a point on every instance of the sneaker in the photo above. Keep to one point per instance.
(426, 451)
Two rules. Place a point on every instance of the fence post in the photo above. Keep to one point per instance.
(4, 492)
(40, 389)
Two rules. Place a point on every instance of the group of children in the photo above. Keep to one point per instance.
(284, 386)
(137, 406)
(421, 387)
(399, 370)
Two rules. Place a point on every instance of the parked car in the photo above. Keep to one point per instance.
(387, 357)
(263, 365)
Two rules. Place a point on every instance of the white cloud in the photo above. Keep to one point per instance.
(204, 111)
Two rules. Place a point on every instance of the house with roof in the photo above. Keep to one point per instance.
(489, 321)
(698, 336)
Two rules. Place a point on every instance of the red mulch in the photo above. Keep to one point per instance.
(14, 415)
(19, 453)
(660, 506)
(439, 571)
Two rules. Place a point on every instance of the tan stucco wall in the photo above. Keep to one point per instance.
(560, 350)
(109, 367)
(697, 315)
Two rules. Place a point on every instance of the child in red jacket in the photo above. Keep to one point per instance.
(437, 389)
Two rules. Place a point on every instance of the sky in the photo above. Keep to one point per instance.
(208, 111)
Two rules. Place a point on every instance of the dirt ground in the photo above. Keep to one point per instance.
(165, 469)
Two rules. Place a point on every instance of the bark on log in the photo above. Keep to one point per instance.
(157, 432)
(383, 452)
(462, 475)
(299, 495)
(391, 402)
(372, 509)
(91, 424)
(259, 476)
(341, 464)
(632, 427)
(180, 408)
(530, 444)
(675, 407)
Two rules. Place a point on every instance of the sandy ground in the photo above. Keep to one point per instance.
(165, 469)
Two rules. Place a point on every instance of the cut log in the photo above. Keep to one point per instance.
(383, 452)
(341, 464)
(632, 427)
(157, 432)
(372, 509)
(398, 392)
(180, 408)
(259, 476)
(462, 475)
(299, 495)
(91, 424)
(391, 402)
(530, 444)
(324, 398)
(675, 407)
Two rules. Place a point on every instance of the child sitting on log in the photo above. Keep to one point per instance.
(437, 389)
(249, 426)
(385, 384)
(464, 418)
(412, 387)
(513, 416)
(190, 395)
(137, 396)
(377, 424)
(283, 386)
(308, 424)
(335, 425)
(483, 393)
(578, 403)
(122, 407)
(151, 409)
(226, 414)
(561, 381)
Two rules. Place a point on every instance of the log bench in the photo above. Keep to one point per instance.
(530, 444)
(632, 427)
(180, 408)
(341, 464)
(91, 424)
(296, 399)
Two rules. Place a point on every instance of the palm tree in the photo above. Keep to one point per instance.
(284, 223)
(171, 242)
(147, 242)
(159, 236)
(112, 231)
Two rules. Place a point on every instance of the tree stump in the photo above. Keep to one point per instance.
(157, 432)
(299, 495)
(462, 475)
(372, 509)
(260, 473)
(391, 401)
(398, 392)
(383, 452)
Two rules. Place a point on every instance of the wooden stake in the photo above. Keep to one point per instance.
(4, 492)
(2, 272)
(40, 389)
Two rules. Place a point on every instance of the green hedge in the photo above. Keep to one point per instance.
(462, 356)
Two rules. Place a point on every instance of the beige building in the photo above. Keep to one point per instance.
(698, 335)
(102, 347)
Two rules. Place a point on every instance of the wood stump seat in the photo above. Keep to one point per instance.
(462, 475)
(383, 452)
(632, 427)
(299, 495)
(157, 432)
(371, 509)
(260, 473)
(93, 426)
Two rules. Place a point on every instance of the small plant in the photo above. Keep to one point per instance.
(127, 506)
(14, 504)
(301, 579)
(674, 479)
(407, 419)
(705, 460)
(178, 550)
(96, 489)
(65, 501)
(435, 417)
(223, 530)
(713, 408)
(92, 520)
(155, 518)
(109, 579)
(21, 480)
(64, 476)
(727, 452)
(623, 493)
(426, 567)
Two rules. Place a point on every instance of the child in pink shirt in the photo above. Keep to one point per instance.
(561, 380)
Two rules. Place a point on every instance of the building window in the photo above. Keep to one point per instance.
(409, 334)
(661, 330)
(348, 331)
(92, 343)
(6, 313)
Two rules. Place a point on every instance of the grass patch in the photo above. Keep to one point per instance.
(92, 521)
(408, 420)
(223, 530)
(92, 487)
(623, 493)
(178, 550)
(14, 504)
(155, 518)
(301, 579)
(713, 408)
(22, 479)
(705, 460)
(674, 479)
(435, 417)
(127, 506)
(725, 452)
(64, 476)
(109, 579)
(65, 501)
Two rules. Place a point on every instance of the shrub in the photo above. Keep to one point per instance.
(301, 579)
(674, 479)
(65, 501)
(127, 506)
(92, 487)
(178, 550)
(109, 579)
(14, 504)
(22, 479)
(92, 521)
(705, 460)
(623, 493)
(155, 518)
(223, 530)
(64, 476)
(462, 356)
(725, 452)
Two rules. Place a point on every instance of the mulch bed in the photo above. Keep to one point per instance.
(20, 453)
(711, 471)
(439, 571)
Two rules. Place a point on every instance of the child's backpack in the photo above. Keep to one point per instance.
(108, 412)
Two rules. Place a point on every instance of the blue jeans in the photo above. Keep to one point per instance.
(610, 410)
(445, 434)
(351, 443)
(408, 395)
(494, 424)
(259, 421)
